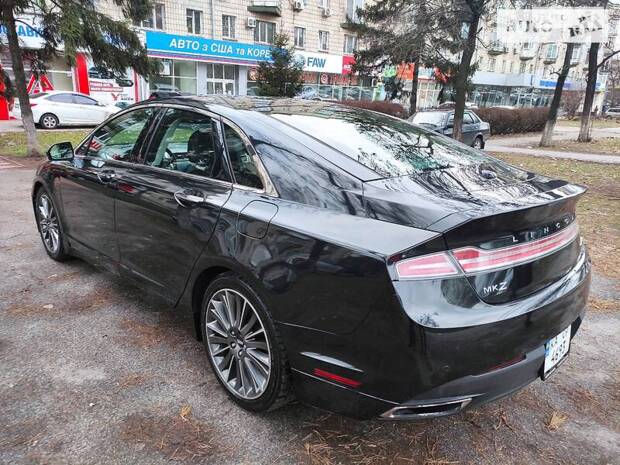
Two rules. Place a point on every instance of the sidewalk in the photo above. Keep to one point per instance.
(518, 144)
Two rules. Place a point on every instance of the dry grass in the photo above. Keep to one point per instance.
(88, 303)
(598, 211)
(605, 145)
(597, 123)
(13, 144)
(176, 437)
(603, 305)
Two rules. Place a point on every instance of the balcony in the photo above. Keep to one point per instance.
(527, 53)
(349, 23)
(550, 58)
(496, 47)
(271, 7)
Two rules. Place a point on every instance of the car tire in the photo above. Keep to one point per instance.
(49, 226)
(49, 121)
(478, 143)
(229, 349)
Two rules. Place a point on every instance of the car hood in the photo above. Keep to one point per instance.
(441, 199)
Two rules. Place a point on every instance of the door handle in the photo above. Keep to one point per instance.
(185, 197)
(106, 176)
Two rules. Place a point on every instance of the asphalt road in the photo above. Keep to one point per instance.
(93, 371)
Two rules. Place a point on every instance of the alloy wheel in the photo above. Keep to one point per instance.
(238, 344)
(477, 143)
(48, 224)
(49, 121)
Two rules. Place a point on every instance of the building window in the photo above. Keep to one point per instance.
(352, 7)
(503, 66)
(531, 69)
(228, 26)
(576, 56)
(264, 32)
(491, 64)
(350, 44)
(552, 51)
(323, 41)
(511, 67)
(522, 68)
(156, 18)
(300, 37)
(194, 21)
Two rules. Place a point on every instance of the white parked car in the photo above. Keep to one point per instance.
(58, 108)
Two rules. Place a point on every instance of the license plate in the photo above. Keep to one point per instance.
(556, 350)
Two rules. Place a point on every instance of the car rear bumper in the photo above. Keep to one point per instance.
(437, 371)
(446, 399)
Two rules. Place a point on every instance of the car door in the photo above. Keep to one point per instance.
(169, 205)
(90, 111)
(63, 107)
(88, 189)
(470, 128)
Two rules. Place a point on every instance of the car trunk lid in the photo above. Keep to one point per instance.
(512, 232)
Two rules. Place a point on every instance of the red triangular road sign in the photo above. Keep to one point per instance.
(42, 84)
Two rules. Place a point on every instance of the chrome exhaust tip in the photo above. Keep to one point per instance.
(427, 409)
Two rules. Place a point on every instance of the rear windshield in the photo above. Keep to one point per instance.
(435, 118)
(388, 146)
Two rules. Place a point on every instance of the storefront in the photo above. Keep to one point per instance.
(202, 66)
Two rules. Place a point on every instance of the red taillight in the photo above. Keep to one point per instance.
(32, 105)
(473, 259)
(337, 378)
(426, 266)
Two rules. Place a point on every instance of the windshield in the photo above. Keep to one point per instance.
(386, 145)
(436, 118)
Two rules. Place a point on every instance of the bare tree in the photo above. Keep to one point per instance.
(585, 131)
(547, 135)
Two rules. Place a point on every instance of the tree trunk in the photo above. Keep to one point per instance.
(20, 81)
(413, 100)
(586, 114)
(462, 75)
(547, 135)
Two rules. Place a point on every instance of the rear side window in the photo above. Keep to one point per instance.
(388, 146)
(184, 142)
(243, 166)
(82, 100)
(117, 139)
(467, 119)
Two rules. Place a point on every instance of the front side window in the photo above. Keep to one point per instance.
(243, 166)
(60, 98)
(194, 21)
(117, 140)
(264, 32)
(228, 26)
(184, 142)
(350, 43)
(323, 41)
(300, 37)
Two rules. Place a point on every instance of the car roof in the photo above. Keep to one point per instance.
(254, 116)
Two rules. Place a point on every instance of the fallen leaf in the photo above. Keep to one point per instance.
(557, 419)
(186, 411)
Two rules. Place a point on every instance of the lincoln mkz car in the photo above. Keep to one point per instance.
(352, 260)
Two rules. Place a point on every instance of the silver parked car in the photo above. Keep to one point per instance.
(475, 131)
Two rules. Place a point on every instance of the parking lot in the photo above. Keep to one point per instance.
(95, 371)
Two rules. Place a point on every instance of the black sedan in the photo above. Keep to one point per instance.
(475, 131)
(346, 258)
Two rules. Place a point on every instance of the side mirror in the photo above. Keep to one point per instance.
(60, 151)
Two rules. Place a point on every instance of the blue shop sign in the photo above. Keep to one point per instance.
(550, 84)
(163, 45)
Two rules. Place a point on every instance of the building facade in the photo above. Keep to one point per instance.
(214, 46)
(525, 75)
